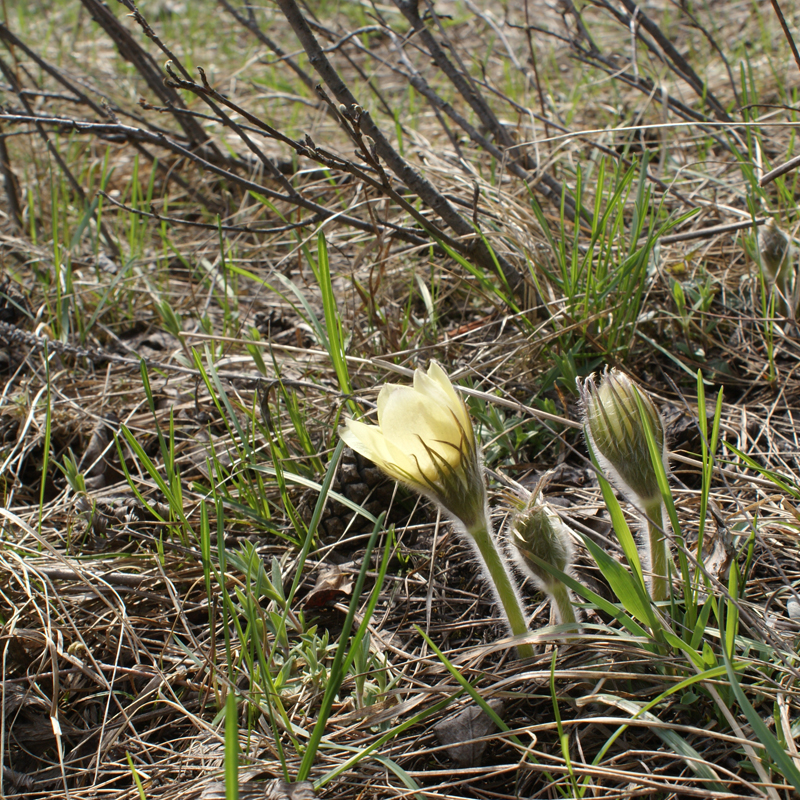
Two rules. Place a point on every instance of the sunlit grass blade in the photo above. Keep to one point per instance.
(627, 588)
(391, 734)
(618, 521)
(783, 482)
(709, 448)
(333, 320)
(299, 480)
(135, 775)
(468, 687)
(778, 754)
(656, 458)
(231, 748)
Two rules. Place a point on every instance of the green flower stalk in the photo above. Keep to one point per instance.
(615, 431)
(424, 439)
(538, 531)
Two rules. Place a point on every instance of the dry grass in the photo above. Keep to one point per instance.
(127, 618)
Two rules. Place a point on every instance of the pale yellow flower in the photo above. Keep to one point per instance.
(424, 438)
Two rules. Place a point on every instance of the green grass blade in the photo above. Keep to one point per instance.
(299, 480)
(475, 695)
(563, 736)
(618, 521)
(656, 459)
(136, 779)
(360, 755)
(468, 687)
(625, 586)
(783, 482)
(333, 321)
(764, 735)
(231, 748)
(600, 602)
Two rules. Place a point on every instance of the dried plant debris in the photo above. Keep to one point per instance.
(464, 735)
(332, 586)
(225, 227)
(276, 789)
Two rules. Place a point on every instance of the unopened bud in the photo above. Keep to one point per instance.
(539, 535)
(616, 432)
(778, 257)
(538, 531)
(773, 244)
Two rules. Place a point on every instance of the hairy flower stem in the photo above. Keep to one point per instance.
(504, 585)
(659, 549)
(559, 594)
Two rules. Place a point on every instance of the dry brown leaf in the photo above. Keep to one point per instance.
(332, 586)
(458, 733)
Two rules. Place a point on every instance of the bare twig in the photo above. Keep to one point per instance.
(673, 58)
(463, 82)
(10, 183)
(705, 233)
(473, 246)
(145, 64)
(57, 157)
(106, 129)
(315, 220)
(788, 166)
(786, 32)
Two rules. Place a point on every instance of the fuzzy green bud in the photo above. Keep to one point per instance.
(773, 244)
(778, 260)
(616, 432)
(538, 531)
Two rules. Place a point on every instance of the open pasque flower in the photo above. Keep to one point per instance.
(424, 438)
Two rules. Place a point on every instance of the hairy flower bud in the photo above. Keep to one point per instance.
(773, 244)
(538, 531)
(778, 258)
(616, 432)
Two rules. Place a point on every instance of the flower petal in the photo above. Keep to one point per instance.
(455, 402)
(410, 421)
(430, 387)
(404, 418)
(370, 442)
(437, 374)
